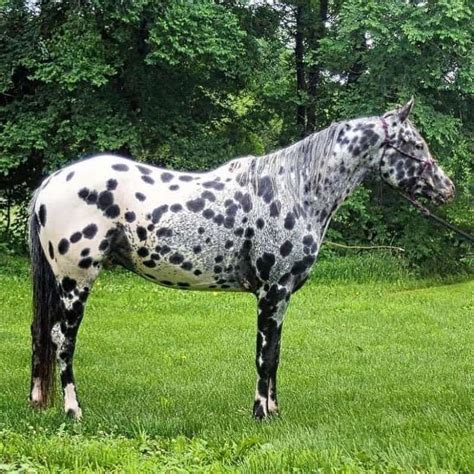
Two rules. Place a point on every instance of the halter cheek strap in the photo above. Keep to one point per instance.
(389, 143)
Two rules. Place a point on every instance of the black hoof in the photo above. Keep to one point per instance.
(259, 412)
(74, 414)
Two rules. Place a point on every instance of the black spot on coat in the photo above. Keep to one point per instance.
(265, 189)
(264, 265)
(301, 266)
(51, 250)
(219, 219)
(148, 179)
(290, 221)
(68, 284)
(42, 215)
(112, 211)
(249, 233)
(85, 262)
(141, 232)
(89, 231)
(245, 201)
(144, 170)
(176, 258)
(275, 208)
(105, 200)
(158, 213)
(75, 237)
(208, 195)
(164, 232)
(130, 216)
(196, 205)
(120, 167)
(111, 184)
(208, 213)
(83, 193)
(286, 248)
(63, 246)
(143, 252)
(214, 185)
(166, 177)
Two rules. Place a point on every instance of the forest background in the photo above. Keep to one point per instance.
(191, 84)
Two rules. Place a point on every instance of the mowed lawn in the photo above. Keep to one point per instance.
(376, 374)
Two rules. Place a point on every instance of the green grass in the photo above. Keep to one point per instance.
(376, 375)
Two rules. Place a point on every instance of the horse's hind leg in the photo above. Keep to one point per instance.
(63, 335)
(272, 305)
(74, 291)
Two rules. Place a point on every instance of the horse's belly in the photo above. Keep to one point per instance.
(171, 276)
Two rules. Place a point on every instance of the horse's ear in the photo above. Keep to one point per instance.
(404, 112)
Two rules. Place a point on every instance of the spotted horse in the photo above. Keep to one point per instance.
(254, 224)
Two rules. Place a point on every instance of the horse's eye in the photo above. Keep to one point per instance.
(419, 146)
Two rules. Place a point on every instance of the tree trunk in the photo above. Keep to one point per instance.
(8, 214)
(300, 79)
(317, 32)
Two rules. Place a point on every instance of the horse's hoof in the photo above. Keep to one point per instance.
(35, 404)
(273, 407)
(274, 412)
(76, 414)
(259, 411)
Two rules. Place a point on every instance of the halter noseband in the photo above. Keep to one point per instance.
(389, 143)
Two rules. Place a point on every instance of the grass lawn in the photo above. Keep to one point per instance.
(376, 374)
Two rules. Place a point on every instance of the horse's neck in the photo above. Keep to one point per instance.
(343, 169)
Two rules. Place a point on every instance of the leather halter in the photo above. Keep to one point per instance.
(389, 143)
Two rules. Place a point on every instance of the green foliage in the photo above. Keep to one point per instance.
(192, 84)
(384, 52)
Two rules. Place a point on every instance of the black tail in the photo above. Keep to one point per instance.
(46, 312)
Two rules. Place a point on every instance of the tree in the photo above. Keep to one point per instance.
(191, 84)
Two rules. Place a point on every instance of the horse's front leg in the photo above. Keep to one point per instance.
(272, 305)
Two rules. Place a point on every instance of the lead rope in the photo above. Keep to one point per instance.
(428, 214)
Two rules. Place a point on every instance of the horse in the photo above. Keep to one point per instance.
(254, 224)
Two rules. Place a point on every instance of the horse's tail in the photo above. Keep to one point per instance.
(46, 312)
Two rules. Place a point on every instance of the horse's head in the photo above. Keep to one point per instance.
(406, 162)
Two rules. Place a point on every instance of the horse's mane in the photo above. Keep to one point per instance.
(297, 164)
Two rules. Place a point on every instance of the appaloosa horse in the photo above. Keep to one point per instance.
(254, 224)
